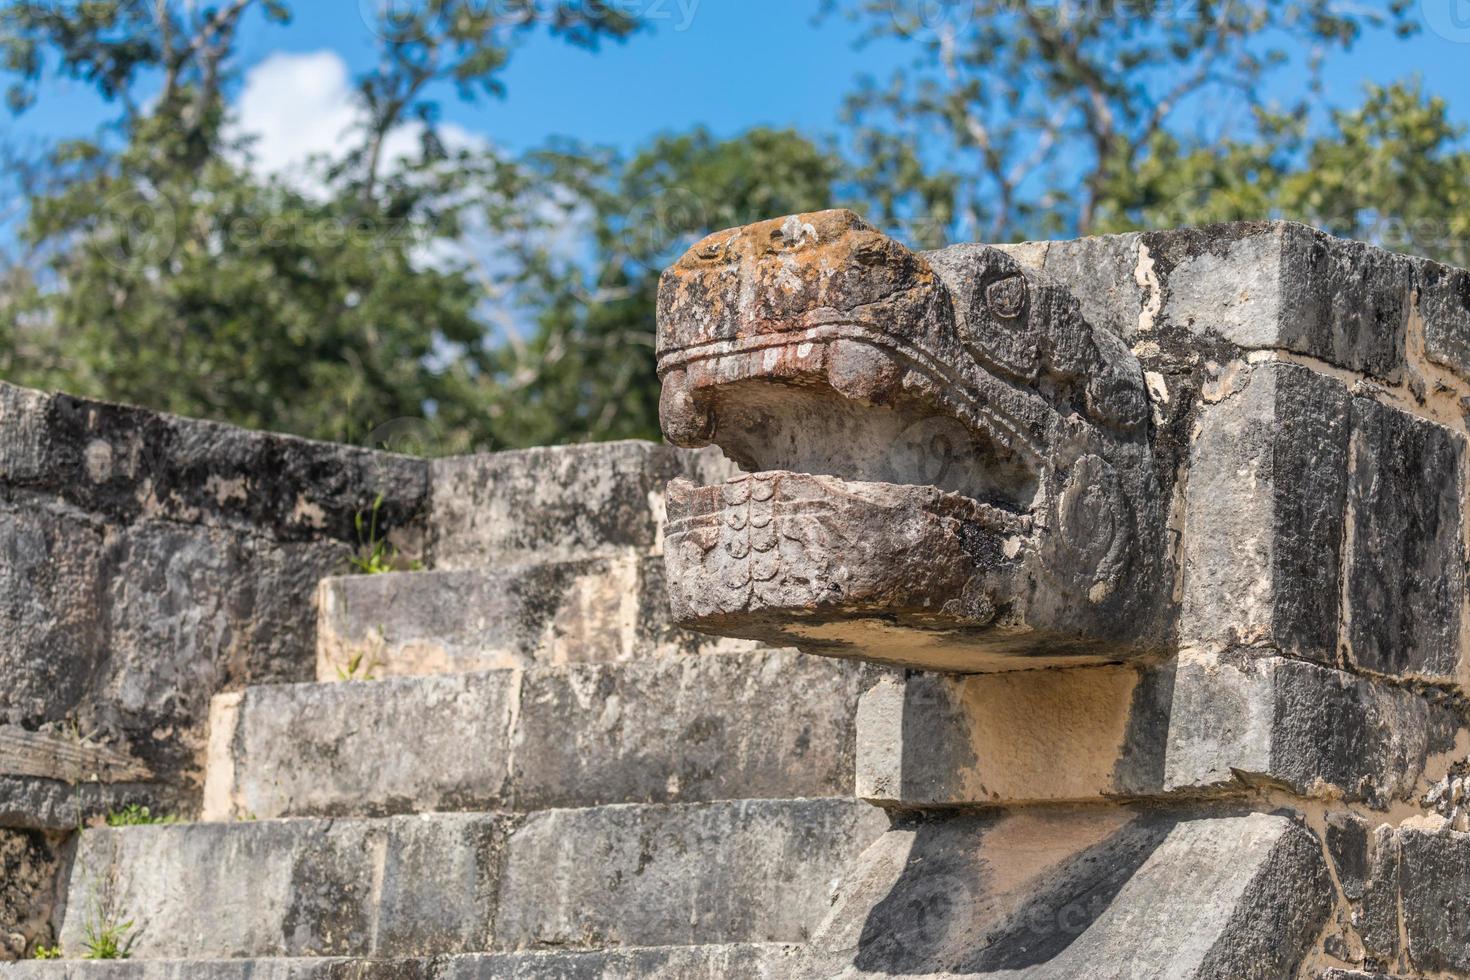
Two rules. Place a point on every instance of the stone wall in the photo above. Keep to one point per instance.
(149, 563)
(1280, 739)
(146, 564)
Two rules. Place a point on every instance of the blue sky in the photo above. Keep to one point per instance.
(728, 64)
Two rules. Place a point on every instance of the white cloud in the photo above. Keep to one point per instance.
(300, 108)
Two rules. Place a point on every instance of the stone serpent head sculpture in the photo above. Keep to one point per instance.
(945, 464)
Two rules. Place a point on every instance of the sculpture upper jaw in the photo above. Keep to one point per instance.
(908, 472)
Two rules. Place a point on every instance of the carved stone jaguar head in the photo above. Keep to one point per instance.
(946, 465)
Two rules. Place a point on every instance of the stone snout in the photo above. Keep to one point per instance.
(946, 465)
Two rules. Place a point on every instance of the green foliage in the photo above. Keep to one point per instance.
(105, 935)
(1018, 119)
(359, 667)
(1393, 171)
(375, 554)
(47, 953)
(133, 815)
(588, 370)
(161, 270)
(163, 273)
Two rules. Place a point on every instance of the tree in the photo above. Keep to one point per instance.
(1029, 118)
(168, 275)
(1393, 171)
(589, 367)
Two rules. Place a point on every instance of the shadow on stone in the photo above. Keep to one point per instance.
(962, 908)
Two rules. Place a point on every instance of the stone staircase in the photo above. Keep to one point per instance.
(514, 765)
(508, 767)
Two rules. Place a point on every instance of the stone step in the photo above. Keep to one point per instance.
(557, 503)
(1104, 893)
(764, 725)
(548, 612)
(751, 961)
(408, 887)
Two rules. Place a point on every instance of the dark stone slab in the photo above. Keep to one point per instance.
(1406, 567)
(126, 464)
(1444, 303)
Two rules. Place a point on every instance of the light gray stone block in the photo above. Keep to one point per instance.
(597, 610)
(1406, 557)
(1264, 511)
(769, 725)
(1257, 285)
(1318, 731)
(733, 962)
(746, 961)
(565, 503)
(1099, 893)
(761, 725)
(747, 871)
(408, 886)
(1203, 723)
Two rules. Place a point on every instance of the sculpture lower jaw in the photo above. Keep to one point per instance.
(897, 574)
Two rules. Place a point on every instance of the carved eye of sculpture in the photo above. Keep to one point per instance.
(1006, 298)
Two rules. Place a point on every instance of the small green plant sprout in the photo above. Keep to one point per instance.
(361, 664)
(133, 815)
(358, 668)
(105, 935)
(47, 953)
(375, 555)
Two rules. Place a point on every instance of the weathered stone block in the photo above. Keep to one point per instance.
(126, 464)
(413, 623)
(50, 597)
(750, 961)
(1406, 554)
(566, 503)
(1444, 304)
(1415, 913)
(1316, 730)
(1101, 893)
(1263, 285)
(769, 725)
(762, 725)
(1201, 723)
(411, 886)
(29, 864)
(1264, 508)
(757, 870)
